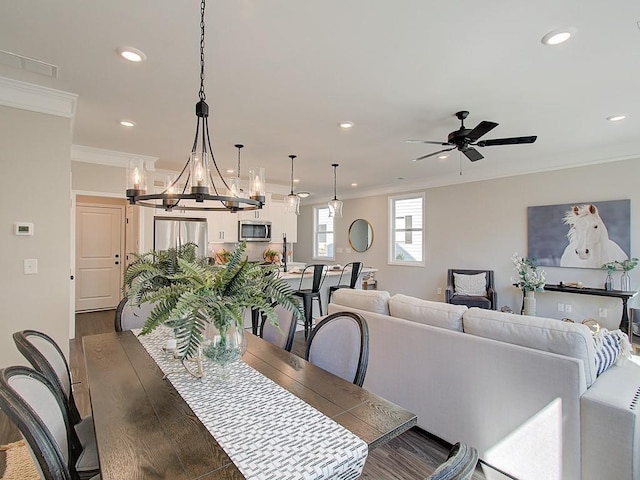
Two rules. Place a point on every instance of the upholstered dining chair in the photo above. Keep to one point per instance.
(460, 465)
(130, 316)
(308, 295)
(473, 288)
(33, 405)
(46, 357)
(282, 335)
(340, 345)
(355, 268)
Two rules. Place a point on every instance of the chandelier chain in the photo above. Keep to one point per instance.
(201, 92)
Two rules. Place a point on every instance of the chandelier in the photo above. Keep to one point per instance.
(195, 188)
(292, 201)
(335, 205)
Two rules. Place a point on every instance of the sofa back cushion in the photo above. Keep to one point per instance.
(569, 339)
(436, 314)
(376, 301)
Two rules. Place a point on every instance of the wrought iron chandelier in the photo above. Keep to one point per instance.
(195, 185)
(292, 201)
(335, 205)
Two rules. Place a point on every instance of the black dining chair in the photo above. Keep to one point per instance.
(356, 268)
(130, 316)
(460, 465)
(46, 357)
(33, 405)
(310, 294)
(340, 345)
(283, 334)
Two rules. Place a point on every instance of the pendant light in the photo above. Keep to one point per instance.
(292, 201)
(195, 188)
(335, 205)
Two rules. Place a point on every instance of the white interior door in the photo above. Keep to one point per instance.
(99, 256)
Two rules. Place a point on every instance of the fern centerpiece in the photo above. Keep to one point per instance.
(197, 299)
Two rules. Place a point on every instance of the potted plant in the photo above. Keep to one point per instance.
(610, 267)
(626, 266)
(530, 280)
(204, 304)
(271, 256)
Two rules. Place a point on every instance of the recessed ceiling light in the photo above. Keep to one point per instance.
(558, 36)
(127, 123)
(354, 184)
(303, 194)
(296, 180)
(616, 118)
(131, 54)
(230, 170)
(345, 125)
(443, 157)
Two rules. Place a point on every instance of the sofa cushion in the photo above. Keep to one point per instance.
(376, 301)
(437, 314)
(471, 285)
(570, 339)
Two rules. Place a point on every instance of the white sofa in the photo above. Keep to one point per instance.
(522, 390)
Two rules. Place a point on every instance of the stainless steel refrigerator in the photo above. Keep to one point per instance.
(171, 232)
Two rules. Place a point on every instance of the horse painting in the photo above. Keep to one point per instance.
(589, 243)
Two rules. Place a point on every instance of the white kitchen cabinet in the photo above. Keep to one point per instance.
(260, 214)
(282, 223)
(222, 227)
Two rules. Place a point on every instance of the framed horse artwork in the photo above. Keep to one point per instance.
(582, 234)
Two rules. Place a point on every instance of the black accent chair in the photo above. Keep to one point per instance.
(489, 300)
(308, 295)
(340, 344)
(356, 268)
(32, 403)
(460, 465)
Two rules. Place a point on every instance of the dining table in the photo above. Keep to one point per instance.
(149, 427)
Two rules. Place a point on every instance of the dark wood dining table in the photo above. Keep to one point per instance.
(144, 429)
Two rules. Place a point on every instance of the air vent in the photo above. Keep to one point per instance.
(635, 401)
(28, 64)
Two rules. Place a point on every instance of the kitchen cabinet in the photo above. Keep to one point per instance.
(222, 227)
(282, 223)
(260, 214)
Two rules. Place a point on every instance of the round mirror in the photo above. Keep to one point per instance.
(360, 235)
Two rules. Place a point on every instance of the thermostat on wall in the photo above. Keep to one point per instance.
(22, 228)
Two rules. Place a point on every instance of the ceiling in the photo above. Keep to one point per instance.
(281, 74)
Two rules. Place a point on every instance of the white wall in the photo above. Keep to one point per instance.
(35, 187)
(481, 225)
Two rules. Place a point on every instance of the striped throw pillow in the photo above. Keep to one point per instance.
(607, 351)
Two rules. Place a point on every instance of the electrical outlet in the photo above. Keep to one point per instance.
(568, 308)
(30, 266)
(439, 291)
(602, 312)
(561, 307)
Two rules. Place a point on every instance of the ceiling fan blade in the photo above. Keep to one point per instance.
(434, 153)
(472, 154)
(427, 141)
(506, 141)
(481, 129)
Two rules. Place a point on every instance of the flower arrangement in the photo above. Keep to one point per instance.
(529, 277)
(625, 265)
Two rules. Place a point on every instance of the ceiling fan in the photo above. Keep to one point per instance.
(464, 139)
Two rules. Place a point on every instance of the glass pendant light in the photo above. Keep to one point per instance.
(335, 205)
(292, 201)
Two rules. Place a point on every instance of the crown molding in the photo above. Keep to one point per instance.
(110, 158)
(35, 98)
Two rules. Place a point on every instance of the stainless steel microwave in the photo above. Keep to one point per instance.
(254, 231)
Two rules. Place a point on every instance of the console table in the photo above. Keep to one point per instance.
(625, 324)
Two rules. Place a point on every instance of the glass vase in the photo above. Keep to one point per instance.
(625, 282)
(223, 344)
(529, 303)
(608, 282)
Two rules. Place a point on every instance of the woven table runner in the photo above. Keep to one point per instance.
(268, 432)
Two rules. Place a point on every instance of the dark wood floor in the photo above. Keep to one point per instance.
(412, 455)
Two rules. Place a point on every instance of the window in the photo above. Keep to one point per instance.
(406, 213)
(323, 233)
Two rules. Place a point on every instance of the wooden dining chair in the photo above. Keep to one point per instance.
(340, 345)
(460, 465)
(283, 334)
(46, 357)
(130, 316)
(356, 268)
(308, 295)
(33, 405)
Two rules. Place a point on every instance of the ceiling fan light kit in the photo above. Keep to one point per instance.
(198, 173)
(465, 139)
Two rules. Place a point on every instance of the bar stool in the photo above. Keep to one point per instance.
(310, 294)
(356, 267)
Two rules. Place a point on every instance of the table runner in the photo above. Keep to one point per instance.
(268, 432)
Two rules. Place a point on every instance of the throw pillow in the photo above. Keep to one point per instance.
(610, 347)
(473, 285)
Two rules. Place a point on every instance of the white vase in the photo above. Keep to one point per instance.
(529, 303)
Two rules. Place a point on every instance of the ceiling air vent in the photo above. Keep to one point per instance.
(28, 64)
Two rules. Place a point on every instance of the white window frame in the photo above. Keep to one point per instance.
(391, 260)
(316, 225)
